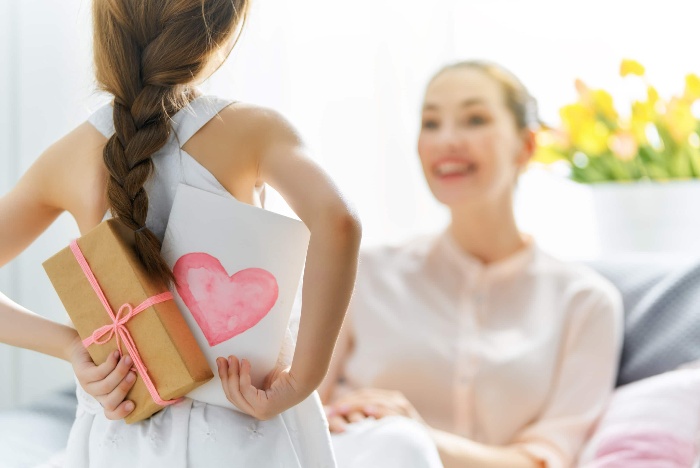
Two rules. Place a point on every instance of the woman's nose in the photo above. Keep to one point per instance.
(449, 137)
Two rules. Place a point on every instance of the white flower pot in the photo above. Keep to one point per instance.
(647, 216)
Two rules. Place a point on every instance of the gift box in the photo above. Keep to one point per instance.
(101, 269)
(238, 269)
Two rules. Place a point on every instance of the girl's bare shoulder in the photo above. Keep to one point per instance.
(72, 174)
(258, 125)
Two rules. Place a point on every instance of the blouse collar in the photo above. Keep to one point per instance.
(507, 267)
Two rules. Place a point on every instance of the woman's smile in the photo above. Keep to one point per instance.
(451, 169)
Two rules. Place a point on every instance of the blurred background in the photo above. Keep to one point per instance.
(350, 77)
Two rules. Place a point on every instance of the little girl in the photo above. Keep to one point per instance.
(128, 158)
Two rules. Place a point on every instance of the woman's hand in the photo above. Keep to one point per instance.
(369, 402)
(108, 383)
(279, 392)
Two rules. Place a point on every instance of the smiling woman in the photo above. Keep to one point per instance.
(475, 333)
(466, 144)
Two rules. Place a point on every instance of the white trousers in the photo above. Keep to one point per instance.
(392, 442)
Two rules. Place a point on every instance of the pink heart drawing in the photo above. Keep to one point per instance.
(223, 306)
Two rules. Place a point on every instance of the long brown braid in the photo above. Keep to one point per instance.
(147, 54)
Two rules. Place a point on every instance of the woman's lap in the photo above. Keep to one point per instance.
(392, 442)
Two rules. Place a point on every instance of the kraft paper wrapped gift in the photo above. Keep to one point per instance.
(175, 364)
(238, 269)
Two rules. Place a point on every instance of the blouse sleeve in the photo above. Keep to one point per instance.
(585, 379)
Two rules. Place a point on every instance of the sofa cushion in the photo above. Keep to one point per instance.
(652, 422)
(661, 296)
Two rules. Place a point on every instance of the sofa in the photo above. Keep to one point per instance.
(661, 297)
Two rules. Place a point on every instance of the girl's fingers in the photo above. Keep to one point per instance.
(113, 399)
(222, 367)
(246, 380)
(234, 387)
(109, 383)
(246, 385)
(89, 372)
(121, 411)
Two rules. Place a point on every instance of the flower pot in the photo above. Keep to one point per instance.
(647, 216)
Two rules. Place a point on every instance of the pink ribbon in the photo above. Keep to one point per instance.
(118, 328)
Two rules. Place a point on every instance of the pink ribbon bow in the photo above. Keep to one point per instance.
(118, 328)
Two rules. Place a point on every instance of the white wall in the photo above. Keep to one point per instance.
(45, 88)
(350, 76)
(7, 177)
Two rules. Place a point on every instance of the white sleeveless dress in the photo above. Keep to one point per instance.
(193, 434)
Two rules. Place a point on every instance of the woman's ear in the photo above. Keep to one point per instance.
(529, 142)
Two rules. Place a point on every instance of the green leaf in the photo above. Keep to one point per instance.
(587, 175)
(657, 172)
(694, 158)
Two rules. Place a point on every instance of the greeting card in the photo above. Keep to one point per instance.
(237, 269)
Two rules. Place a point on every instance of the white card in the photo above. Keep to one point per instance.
(238, 268)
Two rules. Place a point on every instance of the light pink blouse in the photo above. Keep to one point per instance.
(523, 351)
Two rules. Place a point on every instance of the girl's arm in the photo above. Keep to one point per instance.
(280, 159)
(343, 348)
(46, 190)
(25, 212)
(331, 261)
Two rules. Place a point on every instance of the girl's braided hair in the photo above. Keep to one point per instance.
(147, 54)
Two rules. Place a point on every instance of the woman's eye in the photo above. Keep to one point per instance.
(475, 120)
(430, 124)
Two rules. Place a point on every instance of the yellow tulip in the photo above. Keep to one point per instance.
(652, 95)
(573, 116)
(680, 120)
(551, 146)
(592, 128)
(592, 138)
(603, 102)
(547, 155)
(642, 114)
(643, 111)
(631, 67)
(692, 87)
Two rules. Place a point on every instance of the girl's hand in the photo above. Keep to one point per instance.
(369, 402)
(108, 383)
(279, 391)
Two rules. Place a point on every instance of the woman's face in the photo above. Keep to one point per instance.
(469, 145)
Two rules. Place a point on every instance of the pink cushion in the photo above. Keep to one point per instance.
(651, 423)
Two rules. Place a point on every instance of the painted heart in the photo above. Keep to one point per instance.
(223, 306)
